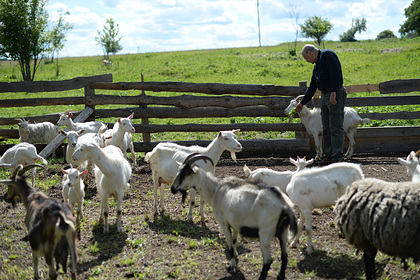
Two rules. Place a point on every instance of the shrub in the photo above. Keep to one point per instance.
(385, 34)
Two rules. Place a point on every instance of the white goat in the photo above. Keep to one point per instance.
(317, 188)
(276, 178)
(112, 173)
(311, 119)
(44, 132)
(412, 163)
(252, 210)
(163, 163)
(65, 120)
(24, 154)
(74, 190)
(120, 136)
(50, 223)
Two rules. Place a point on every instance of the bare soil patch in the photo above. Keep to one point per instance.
(168, 246)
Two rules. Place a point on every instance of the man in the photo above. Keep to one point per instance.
(328, 78)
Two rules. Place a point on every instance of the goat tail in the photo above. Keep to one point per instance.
(287, 219)
(247, 171)
(148, 156)
(43, 160)
(64, 224)
(365, 121)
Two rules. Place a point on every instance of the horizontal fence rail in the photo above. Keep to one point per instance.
(217, 101)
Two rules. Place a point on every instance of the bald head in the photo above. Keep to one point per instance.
(310, 53)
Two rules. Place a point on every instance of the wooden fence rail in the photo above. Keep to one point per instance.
(256, 101)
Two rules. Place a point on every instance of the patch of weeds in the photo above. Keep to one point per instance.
(208, 241)
(136, 243)
(192, 244)
(94, 248)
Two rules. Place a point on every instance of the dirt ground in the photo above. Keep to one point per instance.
(168, 246)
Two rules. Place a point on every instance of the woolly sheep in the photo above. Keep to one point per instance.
(376, 215)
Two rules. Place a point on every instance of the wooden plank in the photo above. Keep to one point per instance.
(49, 86)
(278, 145)
(399, 86)
(362, 88)
(32, 102)
(389, 131)
(403, 115)
(206, 88)
(60, 137)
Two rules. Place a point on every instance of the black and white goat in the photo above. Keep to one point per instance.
(252, 210)
(50, 223)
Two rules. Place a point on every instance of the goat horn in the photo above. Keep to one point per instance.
(6, 165)
(190, 156)
(26, 168)
(299, 97)
(198, 157)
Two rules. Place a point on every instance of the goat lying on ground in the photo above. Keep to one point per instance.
(311, 119)
(252, 210)
(164, 156)
(50, 223)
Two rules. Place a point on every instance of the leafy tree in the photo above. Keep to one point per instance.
(23, 24)
(385, 34)
(356, 26)
(412, 24)
(316, 27)
(108, 38)
(56, 37)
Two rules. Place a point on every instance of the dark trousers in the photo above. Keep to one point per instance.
(332, 124)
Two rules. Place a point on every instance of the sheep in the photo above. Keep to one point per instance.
(311, 119)
(319, 187)
(74, 190)
(22, 153)
(412, 164)
(163, 157)
(120, 136)
(249, 209)
(112, 173)
(376, 215)
(44, 132)
(276, 178)
(65, 120)
(50, 223)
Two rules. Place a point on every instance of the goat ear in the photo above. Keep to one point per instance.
(292, 161)
(64, 171)
(194, 169)
(236, 131)
(70, 114)
(402, 161)
(83, 173)
(310, 161)
(131, 116)
(81, 131)
(63, 132)
(179, 163)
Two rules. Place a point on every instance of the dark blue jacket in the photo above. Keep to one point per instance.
(326, 76)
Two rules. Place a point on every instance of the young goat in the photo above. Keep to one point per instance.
(276, 178)
(412, 163)
(24, 154)
(319, 187)
(65, 120)
(251, 210)
(112, 173)
(74, 190)
(44, 132)
(311, 119)
(120, 136)
(164, 156)
(50, 223)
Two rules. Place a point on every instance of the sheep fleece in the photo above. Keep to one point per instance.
(382, 215)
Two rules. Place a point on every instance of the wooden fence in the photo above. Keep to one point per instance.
(223, 101)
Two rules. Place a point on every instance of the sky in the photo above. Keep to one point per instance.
(147, 26)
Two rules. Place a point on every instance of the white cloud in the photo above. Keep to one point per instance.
(166, 25)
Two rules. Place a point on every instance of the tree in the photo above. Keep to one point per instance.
(412, 24)
(23, 24)
(294, 17)
(316, 27)
(356, 26)
(108, 38)
(56, 37)
(385, 34)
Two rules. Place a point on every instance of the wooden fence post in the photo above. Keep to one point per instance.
(146, 135)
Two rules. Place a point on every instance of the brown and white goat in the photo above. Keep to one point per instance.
(51, 224)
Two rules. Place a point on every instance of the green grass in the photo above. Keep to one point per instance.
(363, 62)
